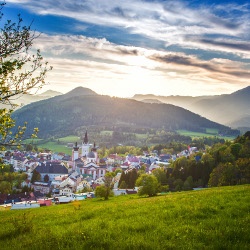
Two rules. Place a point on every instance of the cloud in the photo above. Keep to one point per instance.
(235, 45)
(174, 22)
(97, 62)
(99, 59)
(95, 49)
(223, 67)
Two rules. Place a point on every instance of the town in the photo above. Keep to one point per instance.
(66, 178)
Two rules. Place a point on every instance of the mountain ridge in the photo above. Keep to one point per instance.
(82, 107)
(227, 109)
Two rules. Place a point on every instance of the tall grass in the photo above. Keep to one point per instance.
(217, 218)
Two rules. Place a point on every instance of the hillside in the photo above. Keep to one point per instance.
(62, 115)
(216, 218)
(232, 110)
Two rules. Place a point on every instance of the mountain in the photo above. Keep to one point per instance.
(151, 101)
(80, 107)
(79, 91)
(49, 94)
(231, 109)
(24, 99)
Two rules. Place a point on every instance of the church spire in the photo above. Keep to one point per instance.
(85, 140)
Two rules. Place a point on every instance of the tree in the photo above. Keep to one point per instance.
(105, 190)
(235, 149)
(224, 174)
(244, 170)
(29, 147)
(5, 187)
(19, 179)
(178, 185)
(180, 168)
(148, 185)
(123, 185)
(161, 176)
(132, 177)
(100, 191)
(188, 184)
(20, 72)
(35, 176)
(46, 178)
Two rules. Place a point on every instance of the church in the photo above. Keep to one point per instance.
(87, 162)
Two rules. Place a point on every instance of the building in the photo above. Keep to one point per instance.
(52, 169)
(89, 165)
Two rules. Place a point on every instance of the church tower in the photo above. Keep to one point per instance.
(85, 145)
(75, 152)
(75, 155)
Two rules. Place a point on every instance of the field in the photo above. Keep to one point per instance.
(209, 133)
(139, 136)
(216, 218)
(56, 145)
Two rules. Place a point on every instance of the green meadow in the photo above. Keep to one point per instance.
(56, 145)
(209, 133)
(216, 218)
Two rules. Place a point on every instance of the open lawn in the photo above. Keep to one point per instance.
(216, 218)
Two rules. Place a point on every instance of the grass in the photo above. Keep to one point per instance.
(216, 218)
(209, 133)
(212, 131)
(106, 132)
(55, 147)
(70, 139)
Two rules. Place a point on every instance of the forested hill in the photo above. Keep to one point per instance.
(62, 115)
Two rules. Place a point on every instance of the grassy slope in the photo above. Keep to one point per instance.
(217, 218)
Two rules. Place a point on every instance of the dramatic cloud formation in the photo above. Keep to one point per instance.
(135, 46)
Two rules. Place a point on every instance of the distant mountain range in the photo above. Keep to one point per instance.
(65, 114)
(232, 110)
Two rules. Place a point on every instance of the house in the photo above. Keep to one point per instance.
(52, 169)
(91, 169)
(66, 186)
(98, 182)
(45, 202)
(42, 187)
(67, 190)
(124, 191)
(25, 205)
(83, 184)
(114, 159)
(165, 157)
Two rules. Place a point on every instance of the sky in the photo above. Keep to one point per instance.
(127, 47)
